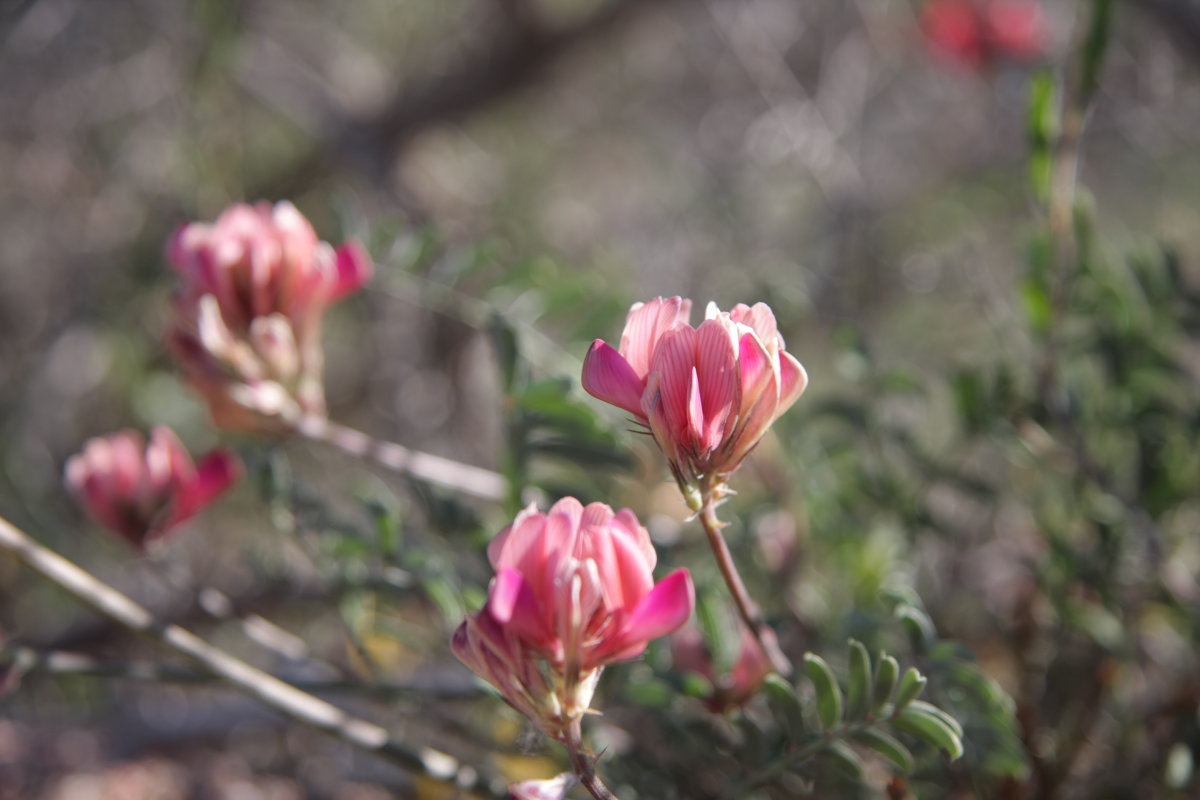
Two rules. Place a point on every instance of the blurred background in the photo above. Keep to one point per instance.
(521, 171)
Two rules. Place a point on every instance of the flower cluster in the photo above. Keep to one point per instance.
(246, 331)
(143, 490)
(708, 394)
(573, 591)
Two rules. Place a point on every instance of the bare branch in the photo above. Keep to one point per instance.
(282, 697)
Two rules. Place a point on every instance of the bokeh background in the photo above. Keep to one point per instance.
(523, 170)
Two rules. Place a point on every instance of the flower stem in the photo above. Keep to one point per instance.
(749, 611)
(475, 481)
(584, 764)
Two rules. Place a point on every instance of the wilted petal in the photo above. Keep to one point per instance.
(607, 376)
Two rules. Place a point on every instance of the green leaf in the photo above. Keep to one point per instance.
(887, 671)
(844, 759)
(829, 695)
(887, 746)
(859, 686)
(930, 728)
(911, 685)
(785, 705)
(919, 627)
(931, 710)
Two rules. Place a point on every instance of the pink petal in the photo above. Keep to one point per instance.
(793, 380)
(760, 318)
(502, 597)
(660, 612)
(673, 366)
(695, 414)
(354, 269)
(756, 370)
(512, 604)
(645, 326)
(607, 376)
(717, 370)
(215, 473)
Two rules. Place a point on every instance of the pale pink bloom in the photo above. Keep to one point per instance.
(708, 394)
(690, 653)
(255, 285)
(555, 788)
(574, 589)
(142, 490)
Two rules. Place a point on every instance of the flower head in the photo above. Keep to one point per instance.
(142, 490)
(573, 591)
(255, 285)
(708, 394)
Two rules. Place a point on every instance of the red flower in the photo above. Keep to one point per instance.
(142, 491)
(982, 32)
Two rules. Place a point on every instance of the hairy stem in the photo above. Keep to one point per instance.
(475, 481)
(747, 609)
(281, 696)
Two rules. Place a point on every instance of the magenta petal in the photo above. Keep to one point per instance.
(660, 612)
(354, 269)
(664, 609)
(215, 473)
(607, 376)
(502, 599)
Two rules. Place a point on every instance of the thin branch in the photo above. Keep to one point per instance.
(27, 660)
(747, 609)
(475, 481)
(282, 697)
(584, 764)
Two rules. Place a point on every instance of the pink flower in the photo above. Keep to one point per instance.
(708, 394)
(691, 654)
(255, 285)
(574, 589)
(141, 491)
